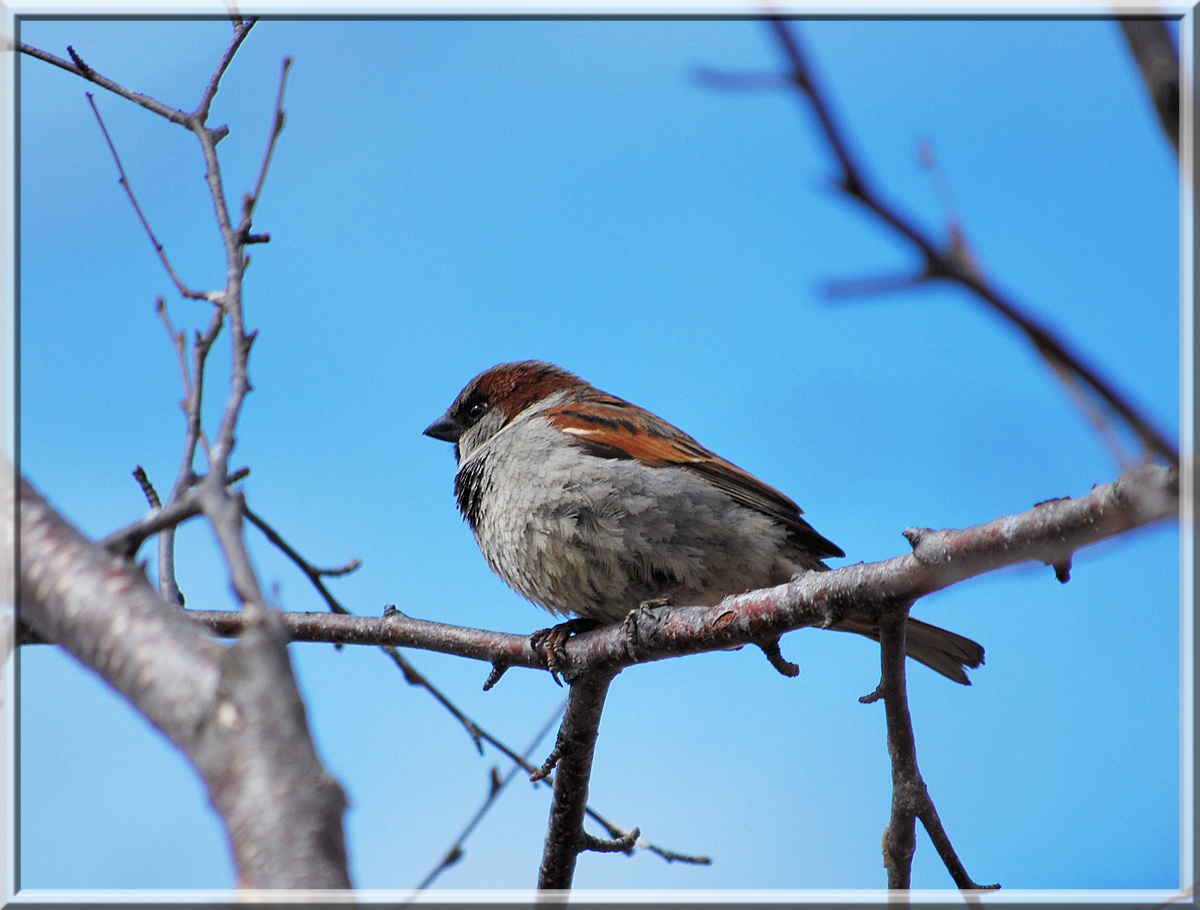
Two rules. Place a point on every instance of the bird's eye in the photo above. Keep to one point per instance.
(476, 410)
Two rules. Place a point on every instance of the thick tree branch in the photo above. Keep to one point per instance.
(1048, 533)
(235, 711)
(250, 738)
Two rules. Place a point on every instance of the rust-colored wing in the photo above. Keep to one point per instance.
(608, 427)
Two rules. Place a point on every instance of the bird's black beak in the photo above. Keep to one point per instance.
(445, 428)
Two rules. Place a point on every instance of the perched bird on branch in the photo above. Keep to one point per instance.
(589, 505)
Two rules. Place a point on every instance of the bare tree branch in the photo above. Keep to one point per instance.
(123, 179)
(1049, 533)
(239, 719)
(315, 575)
(1157, 58)
(498, 784)
(127, 540)
(251, 741)
(277, 123)
(241, 29)
(910, 796)
(572, 757)
(951, 263)
(168, 588)
(194, 437)
(81, 69)
(479, 735)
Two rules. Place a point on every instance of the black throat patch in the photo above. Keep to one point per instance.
(469, 485)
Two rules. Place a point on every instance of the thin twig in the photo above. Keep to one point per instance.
(1098, 419)
(185, 478)
(314, 574)
(168, 588)
(276, 128)
(876, 284)
(151, 494)
(241, 29)
(498, 785)
(124, 181)
(86, 72)
(201, 346)
(738, 82)
(179, 343)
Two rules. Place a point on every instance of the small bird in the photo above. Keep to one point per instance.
(589, 505)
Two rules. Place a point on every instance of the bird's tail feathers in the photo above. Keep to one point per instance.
(939, 649)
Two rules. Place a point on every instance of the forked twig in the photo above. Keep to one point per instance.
(910, 797)
(949, 262)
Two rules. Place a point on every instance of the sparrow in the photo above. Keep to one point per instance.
(589, 505)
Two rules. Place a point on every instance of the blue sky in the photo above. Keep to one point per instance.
(452, 194)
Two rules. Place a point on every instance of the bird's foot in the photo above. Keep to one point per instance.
(643, 611)
(551, 643)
